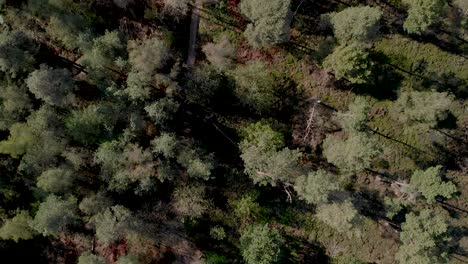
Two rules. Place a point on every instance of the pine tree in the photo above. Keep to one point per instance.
(260, 245)
(349, 62)
(422, 14)
(430, 184)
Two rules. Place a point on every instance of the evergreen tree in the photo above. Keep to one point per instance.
(270, 22)
(315, 187)
(57, 180)
(17, 228)
(422, 14)
(112, 224)
(220, 54)
(340, 216)
(349, 62)
(17, 53)
(90, 258)
(260, 245)
(423, 237)
(189, 201)
(430, 184)
(356, 24)
(54, 86)
(55, 215)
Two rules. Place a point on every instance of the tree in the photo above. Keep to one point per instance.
(422, 14)
(430, 184)
(90, 258)
(55, 215)
(355, 119)
(426, 107)
(265, 161)
(269, 23)
(162, 110)
(54, 86)
(107, 52)
(17, 53)
(260, 245)
(95, 203)
(349, 62)
(340, 216)
(203, 83)
(353, 154)
(423, 238)
(196, 164)
(112, 224)
(255, 86)
(356, 24)
(128, 259)
(93, 123)
(177, 7)
(165, 144)
(220, 54)
(15, 104)
(189, 201)
(148, 56)
(71, 30)
(17, 228)
(315, 187)
(56, 180)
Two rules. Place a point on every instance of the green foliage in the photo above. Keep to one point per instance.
(220, 54)
(423, 237)
(354, 154)
(260, 245)
(218, 233)
(90, 258)
(124, 164)
(112, 224)
(107, 52)
(20, 139)
(162, 110)
(15, 104)
(349, 62)
(430, 184)
(422, 14)
(189, 201)
(264, 162)
(356, 24)
(92, 124)
(165, 144)
(17, 53)
(315, 187)
(54, 86)
(340, 216)
(176, 7)
(57, 180)
(392, 207)
(246, 208)
(128, 259)
(197, 165)
(255, 86)
(355, 118)
(204, 81)
(269, 23)
(423, 107)
(95, 203)
(17, 228)
(55, 215)
(72, 31)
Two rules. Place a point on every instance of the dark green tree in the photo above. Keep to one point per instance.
(17, 53)
(349, 62)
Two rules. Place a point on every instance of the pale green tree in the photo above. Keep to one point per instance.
(55, 215)
(260, 245)
(353, 154)
(265, 159)
(356, 24)
(342, 217)
(270, 23)
(426, 107)
(162, 110)
(128, 259)
(190, 202)
(166, 144)
(429, 183)
(356, 117)
(220, 54)
(349, 62)
(113, 224)
(423, 237)
(17, 228)
(95, 203)
(90, 258)
(56, 180)
(54, 86)
(422, 14)
(15, 104)
(316, 186)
